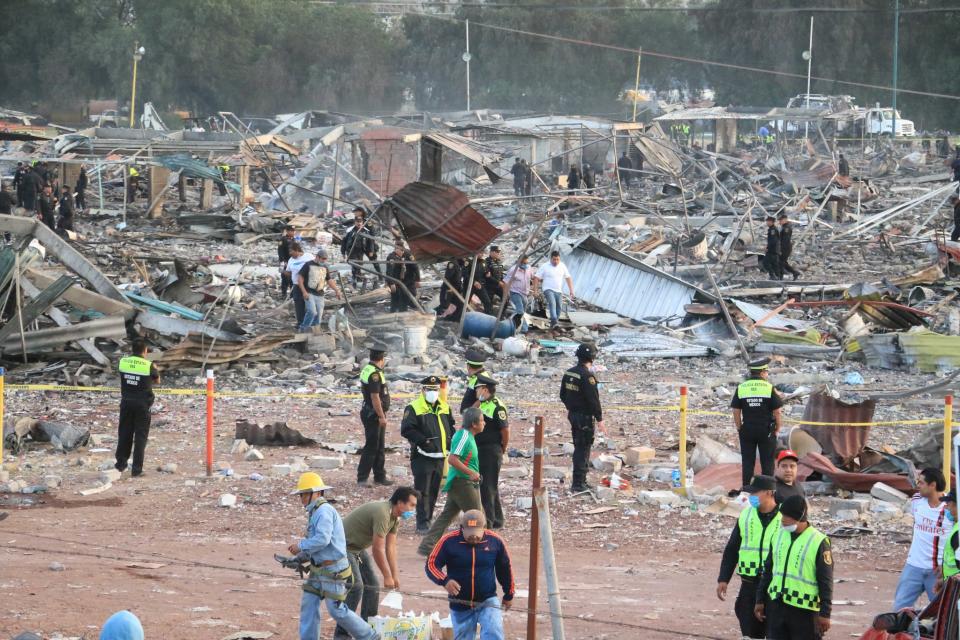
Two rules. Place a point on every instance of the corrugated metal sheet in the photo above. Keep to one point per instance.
(841, 444)
(479, 152)
(918, 349)
(438, 221)
(756, 313)
(616, 282)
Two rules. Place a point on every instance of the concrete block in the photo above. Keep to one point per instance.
(568, 448)
(846, 514)
(886, 493)
(607, 463)
(99, 439)
(605, 494)
(228, 500)
(252, 455)
(240, 447)
(518, 471)
(281, 470)
(299, 465)
(52, 482)
(326, 462)
(885, 510)
(525, 502)
(638, 455)
(169, 467)
(556, 473)
(4, 476)
(109, 475)
(660, 498)
(860, 505)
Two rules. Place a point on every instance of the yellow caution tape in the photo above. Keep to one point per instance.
(319, 395)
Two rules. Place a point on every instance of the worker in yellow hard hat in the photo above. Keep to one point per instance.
(325, 548)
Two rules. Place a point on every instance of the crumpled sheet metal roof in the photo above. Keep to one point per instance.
(438, 221)
(479, 152)
(756, 313)
(609, 279)
(840, 443)
(919, 349)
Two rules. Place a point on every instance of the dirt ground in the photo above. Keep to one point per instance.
(635, 571)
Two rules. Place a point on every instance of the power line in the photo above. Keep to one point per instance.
(453, 4)
(712, 63)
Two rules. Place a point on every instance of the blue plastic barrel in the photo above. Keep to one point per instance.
(480, 325)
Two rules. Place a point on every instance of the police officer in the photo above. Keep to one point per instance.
(797, 578)
(325, 548)
(428, 425)
(493, 277)
(475, 359)
(133, 183)
(579, 394)
(137, 377)
(747, 550)
(950, 567)
(491, 445)
(373, 416)
(756, 415)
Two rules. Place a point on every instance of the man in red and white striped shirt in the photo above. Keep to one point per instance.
(931, 524)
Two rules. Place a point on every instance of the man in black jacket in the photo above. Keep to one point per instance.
(581, 396)
(48, 207)
(358, 244)
(771, 259)
(283, 255)
(65, 222)
(786, 246)
(401, 266)
(81, 189)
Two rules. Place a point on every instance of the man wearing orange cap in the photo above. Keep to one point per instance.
(475, 559)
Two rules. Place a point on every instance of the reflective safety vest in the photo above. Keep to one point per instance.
(754, 388)
(133, 172)
(135, 381)
(365, 374)
(794, 580)
(950, 556)
(755, 541)
(421, 407)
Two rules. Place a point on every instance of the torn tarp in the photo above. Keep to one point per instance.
(438, 221)
(840, 443)
(277, 434)
(194, 169)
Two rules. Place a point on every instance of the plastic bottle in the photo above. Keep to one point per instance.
(675, 479)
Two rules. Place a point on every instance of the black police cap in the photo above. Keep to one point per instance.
(759, 365)
(586, 351)
(761, 483)
(475, 357)
(430, 381)
(484, 380)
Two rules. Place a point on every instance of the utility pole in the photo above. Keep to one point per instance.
(896, 62)
(636, 84)
(138, 52)
(808, 54)
(466, 58)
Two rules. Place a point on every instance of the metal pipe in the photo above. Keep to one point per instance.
(534, 529)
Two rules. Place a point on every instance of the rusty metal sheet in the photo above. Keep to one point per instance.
(840, 443)
(853, 481)
(438, 221)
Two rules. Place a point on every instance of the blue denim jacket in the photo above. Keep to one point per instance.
(325, 539)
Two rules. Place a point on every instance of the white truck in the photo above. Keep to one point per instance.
(110, 118)
(878, 121)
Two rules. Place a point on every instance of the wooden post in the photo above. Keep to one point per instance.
(466, 302)
(206, 194)
(157, 178)
(243, 178)
(182, 187)
(534, 530)
(726, 316)
(550, 564)
(683, 441)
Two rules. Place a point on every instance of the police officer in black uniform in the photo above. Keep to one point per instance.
(579, 394)
(475, 359)
(491, 445)
(428, 425)
(756, 415)
(137, 377)
(493, 279)
(373, 416)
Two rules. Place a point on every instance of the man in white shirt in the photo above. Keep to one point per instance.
(930, 529)
(298, 258)
(550, 278)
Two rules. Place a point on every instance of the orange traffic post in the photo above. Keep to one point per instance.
(1, 417)
(209, 422)
(947, 434)
(683, 441)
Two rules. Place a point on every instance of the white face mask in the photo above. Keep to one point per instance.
(790, 528)
(431, 396)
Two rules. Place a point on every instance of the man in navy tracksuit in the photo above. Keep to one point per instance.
(475, 560)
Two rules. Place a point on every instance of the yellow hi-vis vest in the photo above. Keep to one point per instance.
(421, 407)
(755, 541)
(795, 569)
(950, 556)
